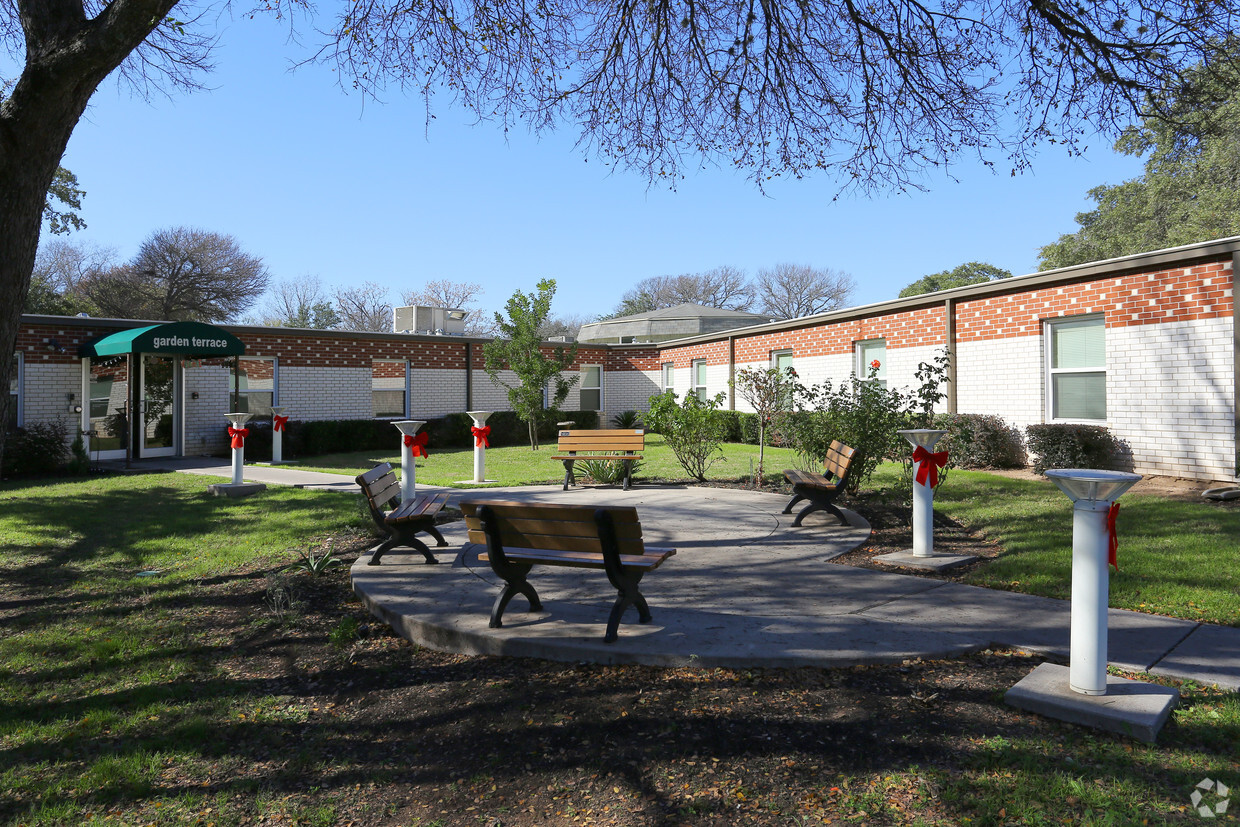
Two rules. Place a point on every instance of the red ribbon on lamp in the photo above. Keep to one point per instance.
(238, 436)
(418, 443)
(1112, 537)
(928, 465)
(278, 422)
(482, 436)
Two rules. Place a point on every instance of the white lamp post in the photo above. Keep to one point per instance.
(1092, 493)
(408, 470)
(237, 433)
(278, 421)
(925, 475)
(481, 434)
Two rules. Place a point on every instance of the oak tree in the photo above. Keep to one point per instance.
(875, 93)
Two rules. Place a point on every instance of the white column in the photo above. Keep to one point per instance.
(277, 437)
(237, 421)
(923, 494)
(480, 452)
(408, 466)
(1091, 593)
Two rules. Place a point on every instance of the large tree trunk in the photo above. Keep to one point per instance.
(67, 58)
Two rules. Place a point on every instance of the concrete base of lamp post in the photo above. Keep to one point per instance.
(936, 562)
(1133, 708)
(236, 489)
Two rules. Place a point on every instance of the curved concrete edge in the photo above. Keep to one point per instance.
(447, 608)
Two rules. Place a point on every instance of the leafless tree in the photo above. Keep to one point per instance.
(874, 92)
(65, 265)
(790, 291)
(724, 287)
(460, 295)
(561, 326)
(181, 274)
(365, 307)
(299, 302)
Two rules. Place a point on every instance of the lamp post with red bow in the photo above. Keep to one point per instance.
(278, 421)
(1093, 495)
(926, 465)
(482, 440)
(413, 445)
(237, 432)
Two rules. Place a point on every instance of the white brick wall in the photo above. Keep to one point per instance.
(45, 389)
(627, 390)
(436, 393)
(1003, 377)
(1171, 396)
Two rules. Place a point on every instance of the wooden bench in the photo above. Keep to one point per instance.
(625, 445)
(821, 489)
(407, 519)
(519, 535)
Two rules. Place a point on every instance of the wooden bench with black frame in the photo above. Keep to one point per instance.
(624, 444)
(520, 535)
(821, 489)
(407, 519)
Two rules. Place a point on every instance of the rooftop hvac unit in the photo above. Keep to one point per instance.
(441, 321)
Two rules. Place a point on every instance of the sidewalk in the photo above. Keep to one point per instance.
(744, 589)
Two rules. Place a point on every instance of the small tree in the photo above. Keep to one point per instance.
(694, 429)
(520, 350)
(769, 392)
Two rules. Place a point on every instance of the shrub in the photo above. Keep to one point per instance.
(1075, 446)
(693, 429)
(606, 471)
(981, 441)
(79, 460)
(37, 448)
(627, 420)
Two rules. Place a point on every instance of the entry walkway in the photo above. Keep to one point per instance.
(745, 589)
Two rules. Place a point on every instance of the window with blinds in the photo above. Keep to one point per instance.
(872, 361)
(669, 373)
(1076, 368)
(699, 378)
(591, 388)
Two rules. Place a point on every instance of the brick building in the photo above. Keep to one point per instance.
(1146, 345)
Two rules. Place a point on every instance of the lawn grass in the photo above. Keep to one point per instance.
(115, 707)
(1180, 559)
(518, 465)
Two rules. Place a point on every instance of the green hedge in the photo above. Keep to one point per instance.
(308, 438)
(981, 441)
(1076, 446)
(38, 448)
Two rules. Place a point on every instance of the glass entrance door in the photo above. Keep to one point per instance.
(108, 395)
(158, 406)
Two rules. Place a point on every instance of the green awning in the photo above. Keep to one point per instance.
(181, 338)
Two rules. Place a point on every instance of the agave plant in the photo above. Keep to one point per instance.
(319, 564)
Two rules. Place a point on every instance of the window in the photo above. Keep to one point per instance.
(15, 392)
(669, 375)
(781, 360)
(256, 383)
(1076, 364)
(591, 388)
(388, 383)
(699, 378)
(868, 353)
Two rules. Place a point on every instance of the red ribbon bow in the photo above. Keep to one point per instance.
(928, 465)
(278, 422)
(481, 435)
(418, 443)
(238, 436)
(1112, 537)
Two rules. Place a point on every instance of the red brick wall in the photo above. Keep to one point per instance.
(1174, 295)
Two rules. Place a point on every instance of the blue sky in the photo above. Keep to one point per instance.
(320, 183)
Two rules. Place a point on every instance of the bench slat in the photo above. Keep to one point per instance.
(570, 528)
(597, 456)
(383, 490)
(553, 511)
(558, 542)
(425, 505)
(652, 559)
(375, 473)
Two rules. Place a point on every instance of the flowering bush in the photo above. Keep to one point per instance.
(694, 429)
